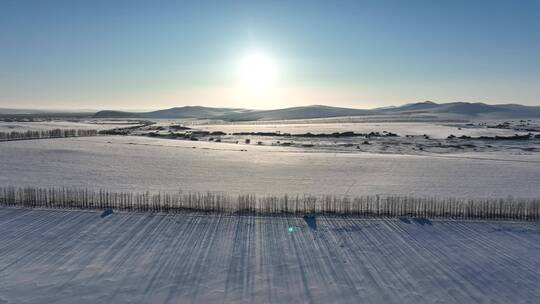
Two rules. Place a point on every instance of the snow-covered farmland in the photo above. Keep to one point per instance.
(81, 257)
(22, 126)
(373, 137)
(139, 163)
(434, 130)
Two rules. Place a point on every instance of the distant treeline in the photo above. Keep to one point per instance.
(321, 135)
(377, 206)
(513, 137)
(127, 130)
(56, 133)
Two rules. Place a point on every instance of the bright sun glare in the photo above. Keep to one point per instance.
(257, 72)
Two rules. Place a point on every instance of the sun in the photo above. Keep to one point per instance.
(257, 72)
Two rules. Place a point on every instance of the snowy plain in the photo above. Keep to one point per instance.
(133, 163)
(23, 126)
(435, 130)
(54, 256)
(81, 257)
(419, 137)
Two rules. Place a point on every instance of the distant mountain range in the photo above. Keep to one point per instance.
(455, 109)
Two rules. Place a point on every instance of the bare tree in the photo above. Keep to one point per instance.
(379, 206)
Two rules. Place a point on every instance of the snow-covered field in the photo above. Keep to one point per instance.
(22, 126)
(81, 257)
(434, 130)
(133, 163)
(373, 137)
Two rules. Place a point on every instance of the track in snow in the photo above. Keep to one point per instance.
(72, 256)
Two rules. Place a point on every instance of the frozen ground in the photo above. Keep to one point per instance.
(374, 137)
(434, 130)
(22, 126)
(135, 163)
(81, 257)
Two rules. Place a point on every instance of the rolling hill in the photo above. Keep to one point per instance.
(315, 111)
(465, 110)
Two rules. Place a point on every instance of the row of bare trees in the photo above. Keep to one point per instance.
(379, 206)
(55, 133)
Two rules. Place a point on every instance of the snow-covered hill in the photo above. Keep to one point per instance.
(463, 110)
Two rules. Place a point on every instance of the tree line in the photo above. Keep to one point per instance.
(369, 205)
(55, 133)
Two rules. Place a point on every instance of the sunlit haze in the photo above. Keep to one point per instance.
(258, 75)
(251, 54)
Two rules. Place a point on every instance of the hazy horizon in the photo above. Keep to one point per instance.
(65, 55)
(193, 105)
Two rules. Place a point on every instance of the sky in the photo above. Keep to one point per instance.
(362, 54)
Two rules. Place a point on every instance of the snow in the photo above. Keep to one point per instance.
(414, 137)
(81, 257)
(434, 130)
(61, 124)
(139, 164)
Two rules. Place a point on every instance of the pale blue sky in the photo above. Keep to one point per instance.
(156, 54)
